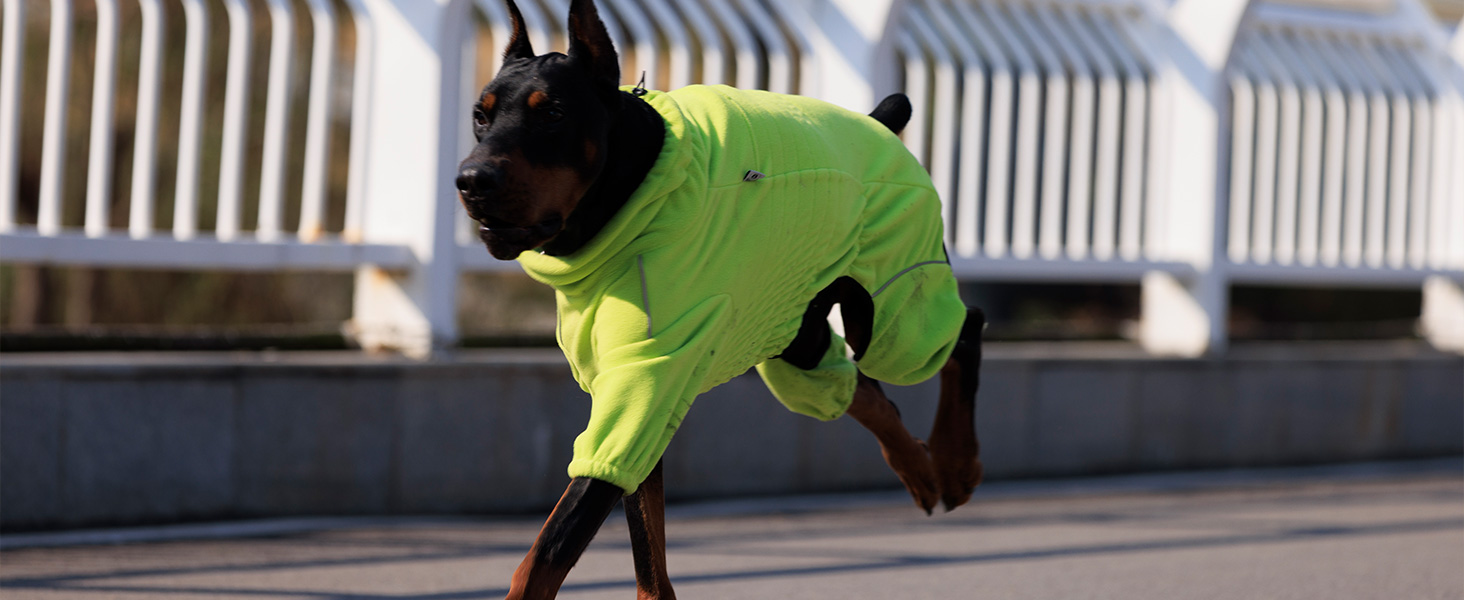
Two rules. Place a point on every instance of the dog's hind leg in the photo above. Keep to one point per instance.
(953, 444)
(907, 456)
(645, 512)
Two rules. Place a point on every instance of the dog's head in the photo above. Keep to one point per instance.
(542, 126)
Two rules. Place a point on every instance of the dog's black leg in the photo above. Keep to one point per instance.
(563, 539)
(953, 443)
(645, 512)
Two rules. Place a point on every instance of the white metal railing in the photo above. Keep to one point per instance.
(228, 244)
(1344, 155)
(1184, 144)
(1036, 121)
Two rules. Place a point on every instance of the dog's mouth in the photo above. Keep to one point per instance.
(506, 240)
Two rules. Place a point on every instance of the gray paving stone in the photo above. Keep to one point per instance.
(147, 449)
(483, 442)
(30, 451)
(1084, 419)
(315, 444)
(1182, 416)
(1432, 418)
(1005, 421)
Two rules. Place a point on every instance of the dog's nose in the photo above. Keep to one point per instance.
(478, 180)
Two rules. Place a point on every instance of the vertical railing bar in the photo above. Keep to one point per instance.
(1131, 173)
(10, 86)
(1426, 125)
(1389, 220)
(361, 73)
(991, 139)
(317, 124)
(1002, 123)
(1456, 199)
(465, 229)
(541, 28)
(190, 129)
(1263, 211)
(1060, 65)
(236, 114)
(677, 41)
(1282, 239)
(917, 87)
(99, 154)
(1309, 199)
(796, 48)
(943, 140)
(1242, 150)
(972, 140)
(643, 35)
(1085, 104)
(1029, 127)
(709, 42)
(145, 153)
(496, 14)
(557, 12)
(748, 64)
(1366, 162)
(1444, 177)
(1156, 179)
(1107, 179)
(53, 148)
(276, 119)
(1337, 88)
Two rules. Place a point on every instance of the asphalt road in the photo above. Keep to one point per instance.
(1388, 532)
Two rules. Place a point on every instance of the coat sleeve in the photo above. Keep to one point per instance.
(645, 382)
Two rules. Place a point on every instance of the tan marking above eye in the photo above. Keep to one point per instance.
(538, 99)
(487, 103)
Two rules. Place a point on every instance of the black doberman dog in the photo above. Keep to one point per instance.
(561, 148)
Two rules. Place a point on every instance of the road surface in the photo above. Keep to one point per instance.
(1393, 531)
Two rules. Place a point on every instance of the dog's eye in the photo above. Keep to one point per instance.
(479, 119)
(553, 114)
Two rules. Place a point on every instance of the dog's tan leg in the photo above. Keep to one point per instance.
(645, 512)
(907, 456)
(953, 444)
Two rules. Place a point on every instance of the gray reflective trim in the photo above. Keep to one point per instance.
(640, 259)
(907, 270)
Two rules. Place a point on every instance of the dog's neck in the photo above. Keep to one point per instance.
(635, 143)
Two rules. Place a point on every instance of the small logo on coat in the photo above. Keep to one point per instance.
(753, 176)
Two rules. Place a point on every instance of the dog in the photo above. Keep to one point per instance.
(694, 234)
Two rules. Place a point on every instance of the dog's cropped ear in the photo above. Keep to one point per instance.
(518, 45)
(590, 44)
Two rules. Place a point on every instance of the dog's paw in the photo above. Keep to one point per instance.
(915, 470)
(958, 479)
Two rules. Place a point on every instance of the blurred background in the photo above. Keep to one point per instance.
(1208, 234)
(76, 306)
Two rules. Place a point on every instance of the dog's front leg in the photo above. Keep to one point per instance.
(563, 539)
(645, 512)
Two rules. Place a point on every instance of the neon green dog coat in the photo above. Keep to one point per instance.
(707, 270)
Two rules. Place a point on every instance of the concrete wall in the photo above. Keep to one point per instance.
(119, 438)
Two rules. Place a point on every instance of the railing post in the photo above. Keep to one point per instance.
(410, 196)
(1443, 298)
(1443, 313)
(1187, 317)
(853, 41)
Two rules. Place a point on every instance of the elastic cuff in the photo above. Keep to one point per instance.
(581, 467)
